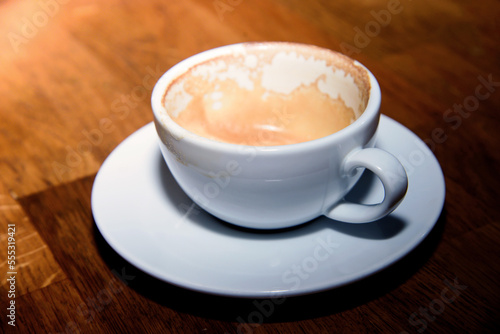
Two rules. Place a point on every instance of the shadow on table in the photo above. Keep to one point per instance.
(256, 311)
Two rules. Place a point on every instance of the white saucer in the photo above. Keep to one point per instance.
(147, 219)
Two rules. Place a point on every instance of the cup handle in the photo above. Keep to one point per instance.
(394, 179)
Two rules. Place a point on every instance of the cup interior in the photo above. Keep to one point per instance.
(263, 94)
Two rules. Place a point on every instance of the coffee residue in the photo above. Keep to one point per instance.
(223, 99)
(260, 118)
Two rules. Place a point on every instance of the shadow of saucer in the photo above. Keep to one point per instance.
(166, 294)
(251, 311)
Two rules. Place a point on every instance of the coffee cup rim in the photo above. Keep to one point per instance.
(163, 119)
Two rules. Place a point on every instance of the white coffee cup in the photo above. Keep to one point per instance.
(270, 187)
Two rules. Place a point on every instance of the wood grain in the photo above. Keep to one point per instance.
(76, 79)
(34, 258)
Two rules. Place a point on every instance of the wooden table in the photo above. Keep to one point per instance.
(75, 81)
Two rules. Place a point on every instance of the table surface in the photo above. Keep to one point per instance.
(75, 81)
